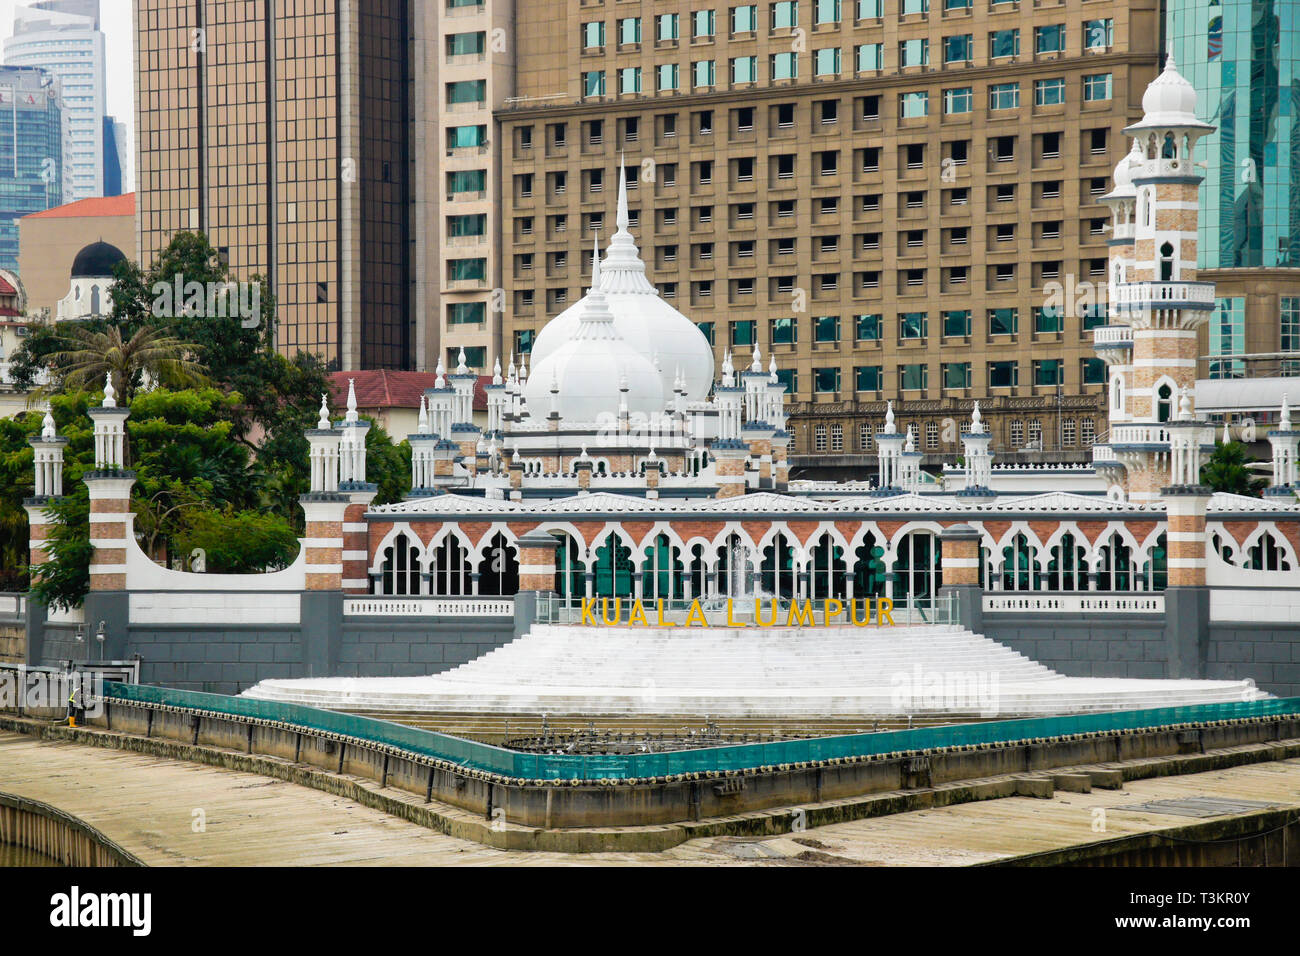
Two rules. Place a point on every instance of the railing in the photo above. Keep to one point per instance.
(1130, 294)
(1075, 603)
(429, 607)
(1112, 335)
(748, 611)
(1139, 434)
(711, 760)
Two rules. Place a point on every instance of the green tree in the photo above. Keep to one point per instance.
(93, 355)
(387, 465)
(1226, 471)
(239, 542)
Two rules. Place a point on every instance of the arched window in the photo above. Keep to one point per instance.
(827, 570)
(698, 573)
(917, 578)
(1115, 571)
(613, 570)
(498, 572)
(869, 571)
(1148, 196)
(400, 569)
(451, 569)
(733, 567)
(1020, 566)
(1117, 393)
(570, 571)
(1164, 403)
(1066, 569)
(1156, 570)
(661, 571)
(1222, 548)
(1167, 262)
(777, 571)
(1265, 555)
(94, 300)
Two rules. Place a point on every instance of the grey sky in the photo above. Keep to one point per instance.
(115, 21)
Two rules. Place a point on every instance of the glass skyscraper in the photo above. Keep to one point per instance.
(1242, 57)
(31, 151)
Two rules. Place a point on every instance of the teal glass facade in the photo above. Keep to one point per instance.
(1242, 56)
(31, 151)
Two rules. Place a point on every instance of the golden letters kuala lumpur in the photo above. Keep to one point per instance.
(609, 613)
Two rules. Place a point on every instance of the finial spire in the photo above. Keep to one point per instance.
(351, 416)
(976, 421)
(324, 422)
(771, 367)
(110, 394)
(422, 426)
(910, 445)
(1284, 419)
(496, 371)
(595, 264)
(622, 219)
(757, 366)
(889, 418)
(461, 368)
(48, 431)
(441, 372)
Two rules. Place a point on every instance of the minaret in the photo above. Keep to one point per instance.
(728, 451)
(780, 437)
(497, 399)
(909, 464)
(889, 451)
(979, 460)
(463, 430)
(757, 432)
(359, 494)
(423, 444)
(110, 494)
(1284, 441)
(49, 449)
(1159, 296)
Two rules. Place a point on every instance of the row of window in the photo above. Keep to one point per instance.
(953, 376)
(785, 66)
(784, 15)
(956, 323)
(1020, 433)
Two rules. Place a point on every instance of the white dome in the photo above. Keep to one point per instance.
(584, 377)
(647, 324)
(1123, 175)
(1169, 100)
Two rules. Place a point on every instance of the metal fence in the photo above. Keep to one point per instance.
(712, 760)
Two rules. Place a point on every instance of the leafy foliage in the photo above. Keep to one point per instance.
(239, 542)
(1226, 471)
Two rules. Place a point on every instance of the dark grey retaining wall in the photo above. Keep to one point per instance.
(383, 647)
(1111, 646)
(1270, 653)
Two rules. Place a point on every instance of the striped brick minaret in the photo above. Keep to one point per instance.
(960, 556)
(360, 493)
(537, 562)
(324, 508)
(1159, 296)
(110, 495)
(49, 449)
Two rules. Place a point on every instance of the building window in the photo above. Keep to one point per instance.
(1096, 87)
(826, 380)
(826, 328)
(789, 378)
(784, 66)
(1048, 319)
(956, 375)
(870, 9)
(1004, 43)
(703, 73)
(1087, 432)
(666, 27)
(1003, 322)
(1049, 39)
(703, 24)
(629, 30)
(868, 328)
(865, 437)
(1048, 373)
(593, 35)
(913, 378)
(784, 331)
(1289, 324)
(956, 323)
(467, 91)
(958, 100)
(957, 49)
(907, 7)
(827, 61)
(913, 325)
(1004, 374)
(931, 436)
(868, 378)
(667, 77)
(785, 15)
(593, 83)
(1017, 434)
(819, 438)
(744, 69)
(706, 328)
(1004, 96)
(913, 105)
(744, 19)
(629, 79)
(466, 313)
(827, 11)
(1049, 92)
(1098, 34)
(1067, 433)
(869, 56)
(1227, 337)
(914, 53)
(742, 333)
(1092, 371)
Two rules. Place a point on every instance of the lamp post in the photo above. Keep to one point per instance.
(99, 636)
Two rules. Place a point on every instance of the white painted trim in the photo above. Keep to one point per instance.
(323, 569)
(960, 562)
(350, 527)
(322, 542)
(1187, 563)
(108, 569)
(356, 556)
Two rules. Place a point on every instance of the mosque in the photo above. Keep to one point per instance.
(620, 478)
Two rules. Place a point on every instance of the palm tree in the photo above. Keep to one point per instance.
(151, 351)
(1226, 471)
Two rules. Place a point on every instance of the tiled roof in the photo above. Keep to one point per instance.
(100, 206)
(384, 388)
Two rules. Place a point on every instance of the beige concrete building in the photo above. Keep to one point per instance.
(49, 242)
(897, 199)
